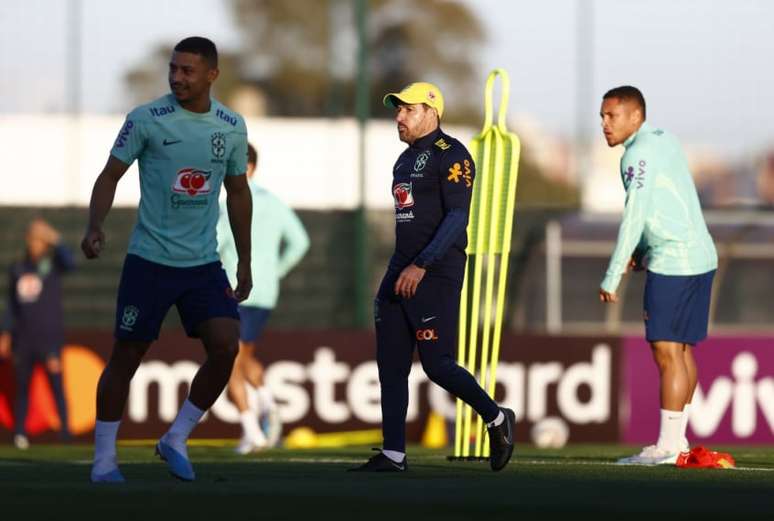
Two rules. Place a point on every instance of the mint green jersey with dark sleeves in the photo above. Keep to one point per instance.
(183, 158)
(662, 217)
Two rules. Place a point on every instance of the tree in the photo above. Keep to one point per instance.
(302, 53)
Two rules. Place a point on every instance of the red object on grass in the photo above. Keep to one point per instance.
(703, 458)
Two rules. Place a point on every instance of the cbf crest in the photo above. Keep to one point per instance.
(129, 317)
(421, 161)
(218, 141)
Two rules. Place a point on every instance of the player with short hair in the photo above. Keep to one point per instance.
(187, 145)
(663, 231)
(279, 241)
(417, 305)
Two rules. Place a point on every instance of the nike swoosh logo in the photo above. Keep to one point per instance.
(168, 142)
(428, 319)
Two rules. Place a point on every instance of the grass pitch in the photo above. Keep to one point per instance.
(51, 482)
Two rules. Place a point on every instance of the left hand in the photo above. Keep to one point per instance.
(607, 297)
(244, 281)
(408, 280)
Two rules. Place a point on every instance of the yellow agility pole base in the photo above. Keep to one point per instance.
(495, 152)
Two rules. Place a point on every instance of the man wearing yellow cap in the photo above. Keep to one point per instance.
(418, 300)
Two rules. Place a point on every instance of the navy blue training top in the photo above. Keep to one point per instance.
(432, 186)
(34, 312)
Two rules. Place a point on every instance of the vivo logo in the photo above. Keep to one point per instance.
(124, 134)
(743, 395)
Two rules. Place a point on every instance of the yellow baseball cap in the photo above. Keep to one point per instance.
(419, 92)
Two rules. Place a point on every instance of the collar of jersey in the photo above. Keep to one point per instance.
(643, 128)
(426, 141)
(193, 114)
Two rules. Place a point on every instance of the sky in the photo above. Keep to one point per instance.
(703, 65)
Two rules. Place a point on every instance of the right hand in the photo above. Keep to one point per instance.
(634, 264)
(92, 243)
(607, 297)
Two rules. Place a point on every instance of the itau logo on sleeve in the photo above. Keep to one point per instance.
(192, 181)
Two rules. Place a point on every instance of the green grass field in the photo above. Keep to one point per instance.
(51, 482)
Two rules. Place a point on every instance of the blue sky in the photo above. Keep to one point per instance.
(704, 65)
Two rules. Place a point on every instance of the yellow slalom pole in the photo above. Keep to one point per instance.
(496, 154)
(494, 204)
(461, 351)
(480, 230)
(505, 225)
(483, 195)
(463, 410)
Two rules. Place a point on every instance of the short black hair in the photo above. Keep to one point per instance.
(627, 93)
(202, 46)
(252, 155)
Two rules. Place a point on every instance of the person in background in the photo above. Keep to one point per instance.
(279, 242)
(32, 328)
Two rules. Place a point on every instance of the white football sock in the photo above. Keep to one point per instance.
(394, 455)
(266, 398)
(669, 432)
(497, 421)
(250, 428)
(684, 426)
(253, 400)
(184, 423)
(105, 434)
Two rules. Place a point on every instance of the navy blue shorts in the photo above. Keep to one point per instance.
(147, 291)
(252, 320)
(677, 307)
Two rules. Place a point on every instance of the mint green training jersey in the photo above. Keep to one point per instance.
(278, 242)
(662, 218)
(183, 158)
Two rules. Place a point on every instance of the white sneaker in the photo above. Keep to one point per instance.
(650, 455)
(21, 442)
(272, 427)
(248, 445)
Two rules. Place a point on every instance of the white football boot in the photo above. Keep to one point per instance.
(650, 455)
